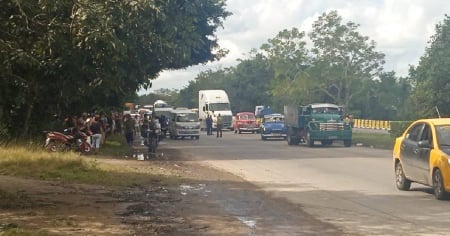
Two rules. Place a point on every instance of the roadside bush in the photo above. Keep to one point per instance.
(398, 127)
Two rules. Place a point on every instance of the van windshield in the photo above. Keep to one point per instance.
(219, 106)
(188, 117)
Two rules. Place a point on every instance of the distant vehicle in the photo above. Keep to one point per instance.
(128, 108)
(272, 126)
(162, 111)
(322, 122)
(184, 123)
(422, 155)
(245, 122)
(142, 111)
(260, 111)
(213, 103)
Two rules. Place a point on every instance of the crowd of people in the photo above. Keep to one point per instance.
(99, 126)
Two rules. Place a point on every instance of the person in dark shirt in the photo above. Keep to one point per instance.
(129, 129)
(209, 125)
(97, 130)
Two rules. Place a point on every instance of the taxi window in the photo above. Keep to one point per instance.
(413, 133)
(426, 134)
(443, 135)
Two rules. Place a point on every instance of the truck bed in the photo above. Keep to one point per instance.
(291, 115)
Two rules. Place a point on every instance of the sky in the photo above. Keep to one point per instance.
(401, 30)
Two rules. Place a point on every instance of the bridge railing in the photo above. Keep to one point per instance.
(372, 124)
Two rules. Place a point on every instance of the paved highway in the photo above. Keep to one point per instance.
(352, 188)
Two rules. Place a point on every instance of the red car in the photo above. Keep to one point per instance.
(245, 122)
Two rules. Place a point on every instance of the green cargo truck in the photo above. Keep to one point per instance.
(322, 122)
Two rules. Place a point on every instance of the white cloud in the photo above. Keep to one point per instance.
(401, 29)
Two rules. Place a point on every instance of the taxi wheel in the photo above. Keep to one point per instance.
(438, 185)
(400, 179)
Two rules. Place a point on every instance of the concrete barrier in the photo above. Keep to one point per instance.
(372, 124)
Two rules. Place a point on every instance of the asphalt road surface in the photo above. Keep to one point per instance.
(352, 188)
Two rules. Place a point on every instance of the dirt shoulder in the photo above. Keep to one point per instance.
(185, 199)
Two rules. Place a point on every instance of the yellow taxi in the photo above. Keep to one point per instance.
(421, 155)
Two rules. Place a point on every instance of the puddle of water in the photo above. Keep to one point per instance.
(247, 221)
(185, 188)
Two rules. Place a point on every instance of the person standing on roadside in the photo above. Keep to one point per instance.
(97, 131)
(129, 129)
(219, 126)
(209, 125)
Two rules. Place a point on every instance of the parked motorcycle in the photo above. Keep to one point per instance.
(68, 140)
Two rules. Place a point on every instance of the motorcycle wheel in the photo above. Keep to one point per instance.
(85, 148)
(54, 146)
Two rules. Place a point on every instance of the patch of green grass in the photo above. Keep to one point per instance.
(71, 167)
(115, 145)
(376, 140)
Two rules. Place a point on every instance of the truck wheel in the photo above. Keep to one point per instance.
(235, 131)
(348, 143)
(309, 141)
(291, 140)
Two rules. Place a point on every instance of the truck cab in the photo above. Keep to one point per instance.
(322, 122)
(212, 103)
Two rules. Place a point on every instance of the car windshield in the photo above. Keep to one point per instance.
(273, 119)
(443, 135)
(247, 117)
(219, 106)
(188, 117)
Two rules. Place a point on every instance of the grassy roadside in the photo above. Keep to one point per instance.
(375, 140)
(34, 162)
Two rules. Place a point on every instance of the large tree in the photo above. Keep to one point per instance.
(72, 56)
(343, 58)
(288, 55)
(250, 83)
(431, 78)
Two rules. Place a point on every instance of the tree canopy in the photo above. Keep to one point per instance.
(341, 66)
(431, 78)
(61, 57)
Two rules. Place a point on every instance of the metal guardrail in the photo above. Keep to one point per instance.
(372, 124)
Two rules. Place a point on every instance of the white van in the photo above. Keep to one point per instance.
(183, 123)
(213, 103)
